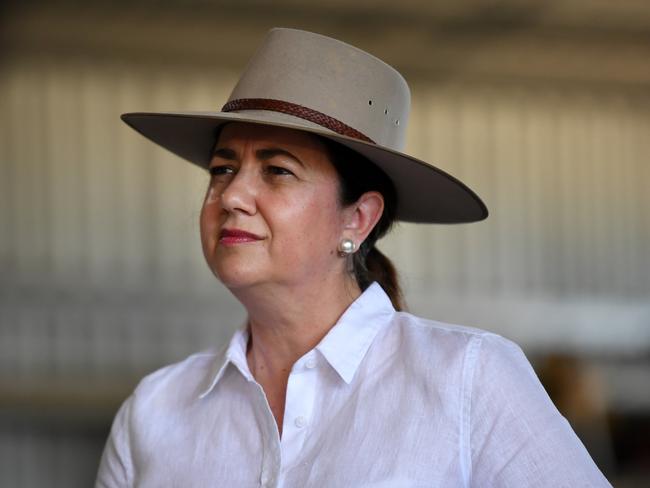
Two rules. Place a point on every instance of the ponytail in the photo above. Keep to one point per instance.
(358, 175)
(381, 269)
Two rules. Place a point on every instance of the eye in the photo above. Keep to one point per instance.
(277, 171)
(221, 170)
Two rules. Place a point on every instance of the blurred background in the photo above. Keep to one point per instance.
(543, 107)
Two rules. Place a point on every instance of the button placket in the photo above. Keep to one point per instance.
(271, 460)
(300, 399)
(265, 480)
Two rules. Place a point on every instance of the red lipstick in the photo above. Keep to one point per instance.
(231, 237)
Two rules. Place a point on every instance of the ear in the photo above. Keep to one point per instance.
(362, 216)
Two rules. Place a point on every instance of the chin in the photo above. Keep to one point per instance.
(234, 284)
(236, 276)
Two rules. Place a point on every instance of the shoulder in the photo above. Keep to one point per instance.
(414, 324)
(440, 338)
(440, 353)
(483, 363)
(480, 359)
(150, 413)
(180, 382)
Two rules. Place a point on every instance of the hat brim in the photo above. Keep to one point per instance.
(425, 194)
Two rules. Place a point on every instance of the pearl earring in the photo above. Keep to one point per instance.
(347, 247)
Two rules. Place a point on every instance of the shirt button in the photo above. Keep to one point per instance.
(311, 363)
(300, 422)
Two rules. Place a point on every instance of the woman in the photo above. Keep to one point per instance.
(329, 384)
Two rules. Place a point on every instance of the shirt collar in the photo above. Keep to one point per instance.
(234, 353)
(344, 346)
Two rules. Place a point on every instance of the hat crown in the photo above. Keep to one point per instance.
(332, 78)
(313, 83)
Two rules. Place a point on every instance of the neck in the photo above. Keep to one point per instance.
(285, 322)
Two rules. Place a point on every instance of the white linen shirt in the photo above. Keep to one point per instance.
(386, 399)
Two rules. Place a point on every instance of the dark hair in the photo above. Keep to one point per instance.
(358, 175)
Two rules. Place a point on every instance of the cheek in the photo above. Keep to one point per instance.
(209, 213)
(212, 195)
(310, 226)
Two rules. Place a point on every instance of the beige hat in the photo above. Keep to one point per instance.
(313, 83)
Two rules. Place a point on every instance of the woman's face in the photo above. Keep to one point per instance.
(271, 214)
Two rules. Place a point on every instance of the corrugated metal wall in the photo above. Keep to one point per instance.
(564, 173)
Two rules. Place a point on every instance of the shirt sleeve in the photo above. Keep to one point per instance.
(517, 436)
(115, 467)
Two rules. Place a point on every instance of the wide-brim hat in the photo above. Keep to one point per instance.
(309, 82)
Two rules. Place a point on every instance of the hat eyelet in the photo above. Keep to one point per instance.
(369, 102)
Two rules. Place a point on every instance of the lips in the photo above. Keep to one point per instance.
(237, 236)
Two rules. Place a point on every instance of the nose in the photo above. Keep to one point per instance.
(240, 193)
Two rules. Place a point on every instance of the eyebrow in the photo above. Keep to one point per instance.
(263, 154)
(224, 153)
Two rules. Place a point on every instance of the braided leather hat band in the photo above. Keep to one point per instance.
(296, 110)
